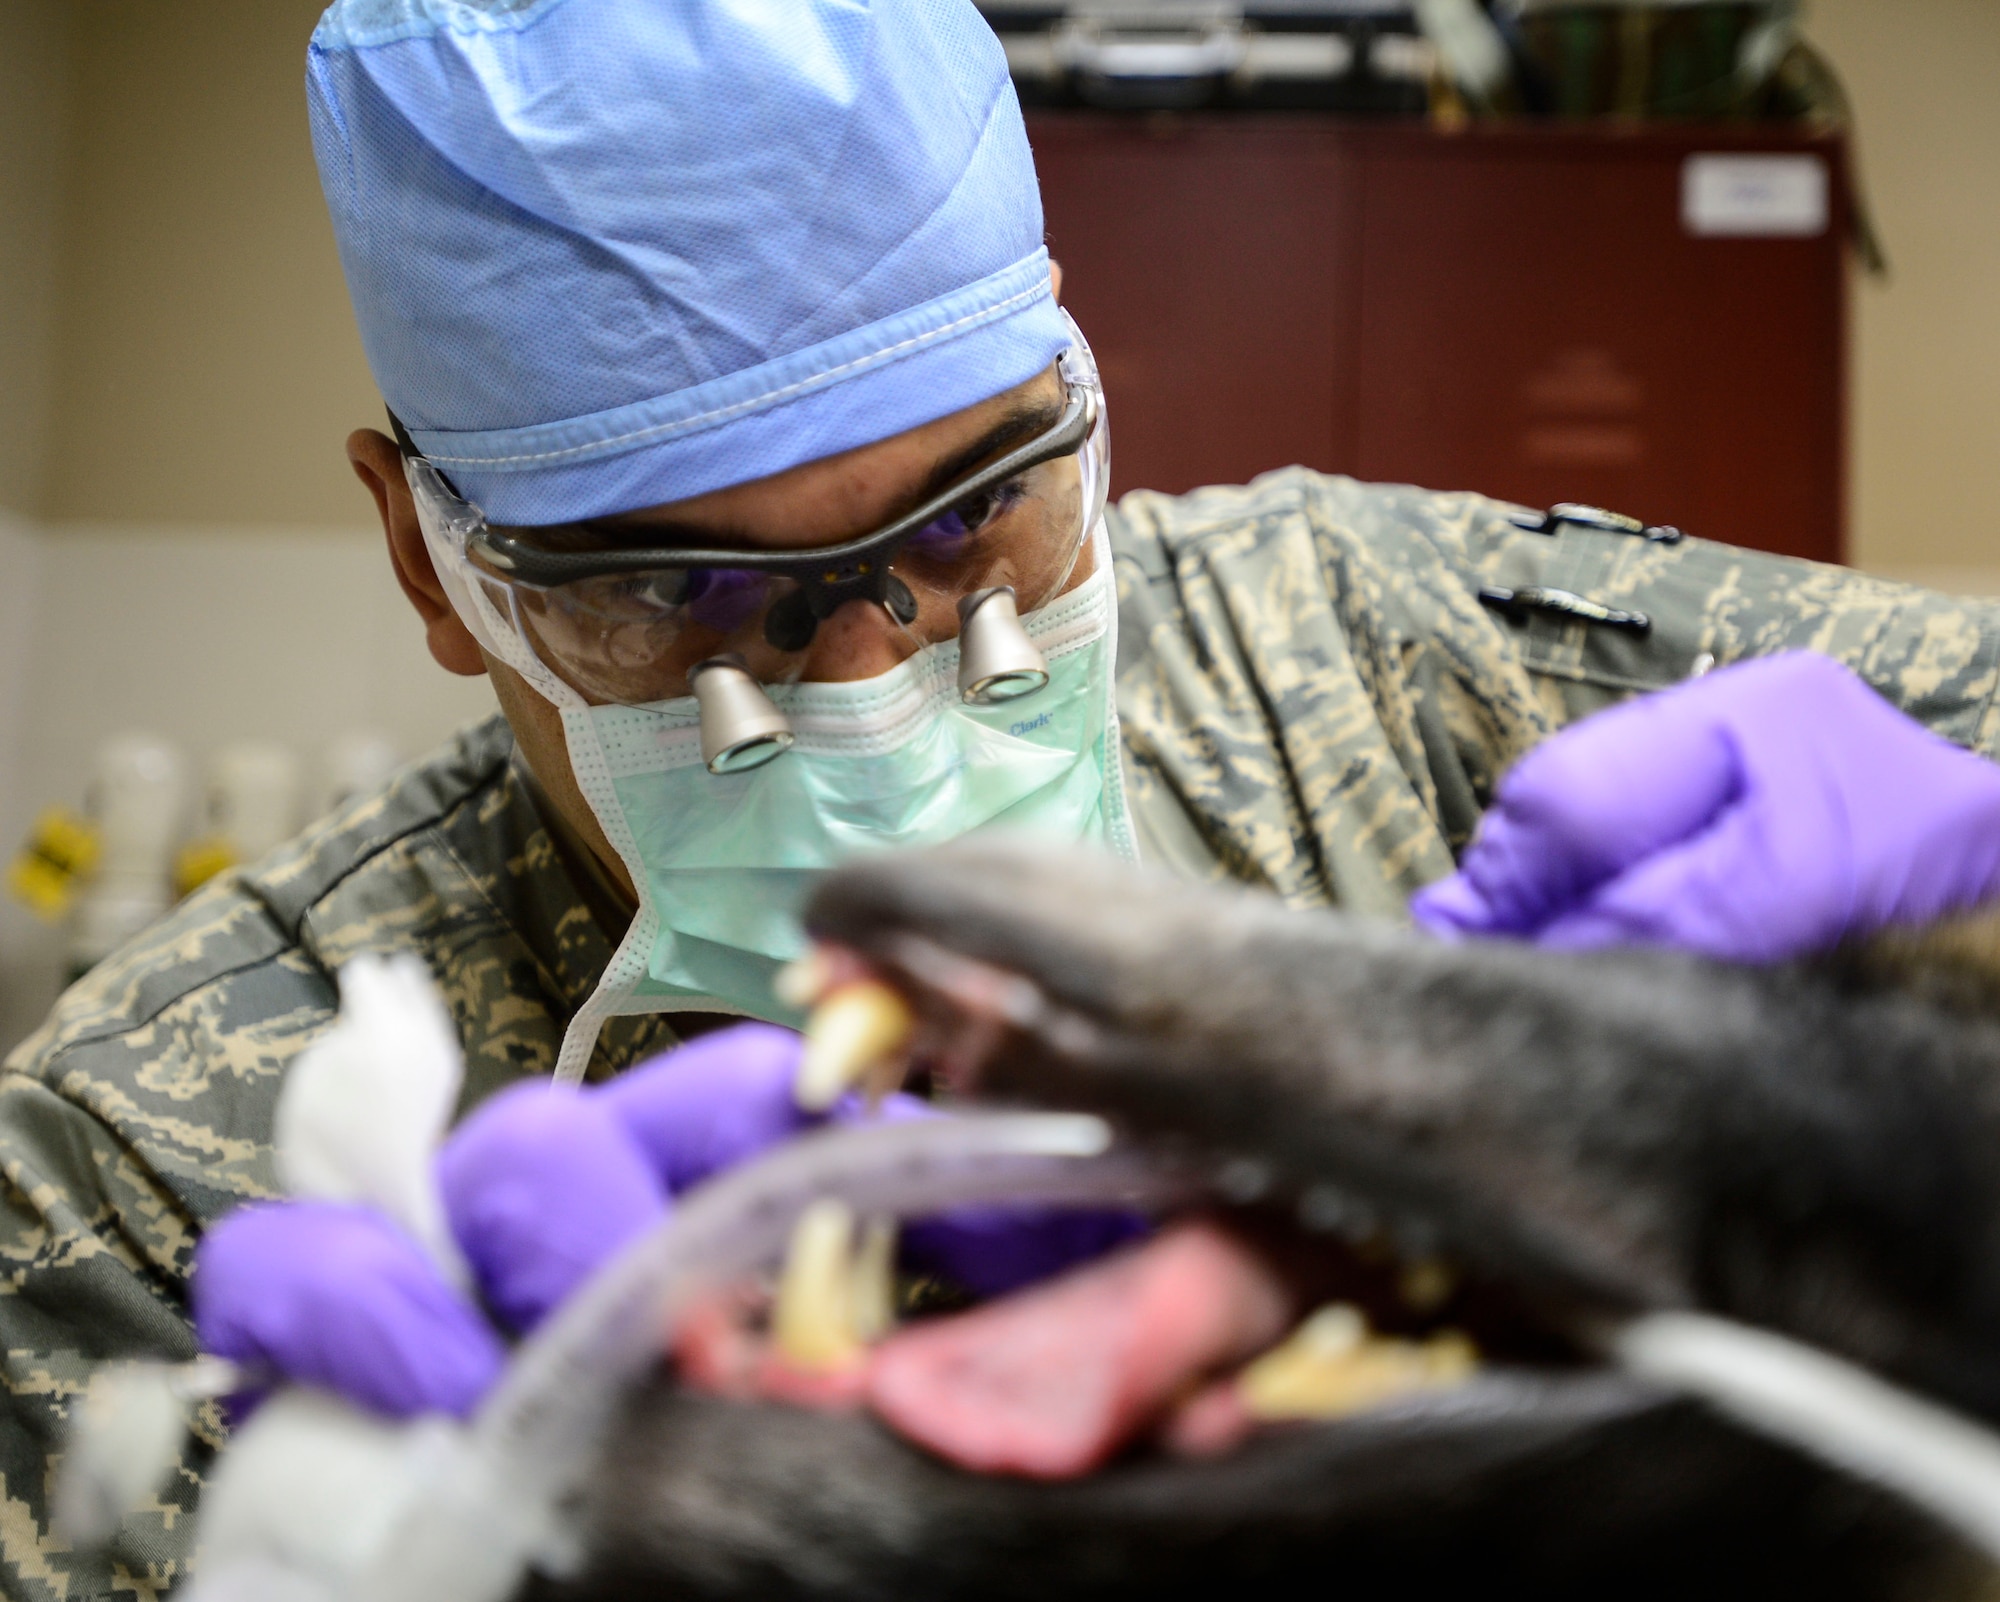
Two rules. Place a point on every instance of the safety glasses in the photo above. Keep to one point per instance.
(632, 625)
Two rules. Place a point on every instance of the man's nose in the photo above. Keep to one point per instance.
(860, 641)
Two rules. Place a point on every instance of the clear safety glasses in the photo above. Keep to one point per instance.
(621, 624)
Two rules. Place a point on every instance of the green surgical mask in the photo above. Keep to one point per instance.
(724, 862)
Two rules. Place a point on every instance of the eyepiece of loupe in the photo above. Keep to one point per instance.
(740, 728)
(996, 659)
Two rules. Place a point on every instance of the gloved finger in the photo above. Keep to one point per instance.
(725, 1097)
(706, 1106)
(1451, 909)
(337, 1296)
(991, 1251)
(1737, 892)
(541, 1186)
(1584, 806)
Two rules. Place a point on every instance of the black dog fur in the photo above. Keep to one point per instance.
(1810, 1148)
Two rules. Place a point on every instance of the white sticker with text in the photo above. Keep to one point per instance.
(1749, 197)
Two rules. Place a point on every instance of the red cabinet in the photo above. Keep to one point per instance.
(1653, 321)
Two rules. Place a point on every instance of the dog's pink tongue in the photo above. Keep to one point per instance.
(1051, 1382)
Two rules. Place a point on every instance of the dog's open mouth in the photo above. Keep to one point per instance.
(1266, 1299)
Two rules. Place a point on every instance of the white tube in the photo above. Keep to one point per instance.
(1943, 1463)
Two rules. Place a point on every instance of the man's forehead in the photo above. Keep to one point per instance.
(838, 497)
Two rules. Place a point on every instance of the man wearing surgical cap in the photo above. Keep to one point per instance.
(736, 432)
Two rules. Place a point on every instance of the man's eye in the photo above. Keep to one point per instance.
(669, 588)
(648, 592)
(972, 514)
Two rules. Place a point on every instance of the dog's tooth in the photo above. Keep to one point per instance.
(1426, 1284)
(1335, 1331)
(853, 1029)
(872, 1287)
(1327, 1207)
(1243, 1180)
(800, 984)
(813, 1319)
(1415, 1238)
(1321, 1208)
(1331, 1367)
(1450, 1357)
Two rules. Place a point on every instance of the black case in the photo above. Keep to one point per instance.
(1351, 56)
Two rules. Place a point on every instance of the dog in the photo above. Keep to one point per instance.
(1813, 1149)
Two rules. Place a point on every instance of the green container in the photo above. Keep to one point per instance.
(1644, 61)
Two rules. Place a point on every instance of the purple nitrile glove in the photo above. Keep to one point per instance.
(541, 1187)
(1761, 813)
(706, 1106)
(993, 1250)
(541, 1184)
(538, 1197)
(337, 1296)
(727, 1096)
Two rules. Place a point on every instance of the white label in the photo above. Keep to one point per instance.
(1748, 197)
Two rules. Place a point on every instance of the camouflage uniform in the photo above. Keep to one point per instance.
(1315, 699)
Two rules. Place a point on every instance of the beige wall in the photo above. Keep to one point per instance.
(178, 367)
(210, 368)
(35, 104)
(1925, 79)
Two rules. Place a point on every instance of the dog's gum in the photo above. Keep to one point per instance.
(855, 1029)
(1332, 1366)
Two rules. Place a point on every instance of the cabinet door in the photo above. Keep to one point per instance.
(1206, 259)
(1525, 313)
(1539, 320)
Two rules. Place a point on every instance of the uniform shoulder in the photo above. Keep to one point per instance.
(1151, 530)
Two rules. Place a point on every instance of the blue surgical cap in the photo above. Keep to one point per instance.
(610, 253)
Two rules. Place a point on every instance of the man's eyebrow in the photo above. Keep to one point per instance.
(663, 536)
(1020, 422)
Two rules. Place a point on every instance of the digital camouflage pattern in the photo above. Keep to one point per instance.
(1315, 700)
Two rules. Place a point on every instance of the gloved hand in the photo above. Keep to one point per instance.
(337, 1296)
(1764, 812)
(541, 1187)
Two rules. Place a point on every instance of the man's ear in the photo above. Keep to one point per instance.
(379, 465)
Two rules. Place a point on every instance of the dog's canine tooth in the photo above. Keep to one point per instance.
(813, 1320)
(1331, 1367)
(872, 1283)
(857, 1027)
